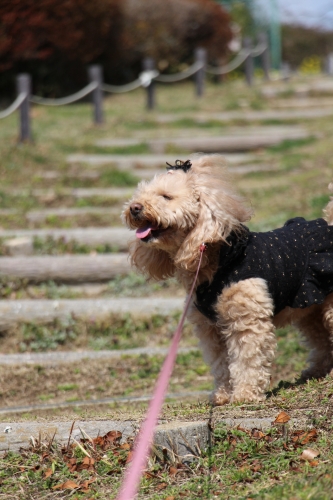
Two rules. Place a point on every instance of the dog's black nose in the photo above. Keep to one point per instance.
(136, 208)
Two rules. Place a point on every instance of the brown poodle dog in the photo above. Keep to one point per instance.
(249, 283)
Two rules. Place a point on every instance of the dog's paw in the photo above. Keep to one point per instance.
(316, 372)
(220, 397)
(247, 395)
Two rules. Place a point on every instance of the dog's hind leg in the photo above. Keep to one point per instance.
(317, 328)
(215, 354)
(246, 314)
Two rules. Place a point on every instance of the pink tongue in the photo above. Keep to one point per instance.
(142, 232)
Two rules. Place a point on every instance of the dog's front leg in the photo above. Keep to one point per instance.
(245, 316)
(214, 351)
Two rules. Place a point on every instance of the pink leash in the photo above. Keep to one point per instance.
(138, 463)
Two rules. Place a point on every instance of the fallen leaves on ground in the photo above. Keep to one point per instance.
(309, 454)
(282, 418)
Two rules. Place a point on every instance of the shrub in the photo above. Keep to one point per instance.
(54, 40)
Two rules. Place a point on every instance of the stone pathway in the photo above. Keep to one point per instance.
(140, 162)
(231, 140)
(250, 116)
(116, 237)
(44, 311)
(59, 357)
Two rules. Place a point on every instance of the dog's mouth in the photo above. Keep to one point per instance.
(150, 232)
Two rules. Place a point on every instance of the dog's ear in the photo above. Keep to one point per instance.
(152, 262)
(220, 213)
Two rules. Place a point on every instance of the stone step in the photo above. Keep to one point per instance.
(188, 438)
(319, 87)
(65, 268)
(37, 216)
(44, 311)
(60, 357)
(303, 103)
(50, 195)
(231, 140)
(140, 162)
(252, 115)
(115, 237)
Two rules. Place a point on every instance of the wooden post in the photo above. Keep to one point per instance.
(200, 56)
(149, 65)
(248, 62)
(329, 64)
(23, 84)
(265, 59)
(95, 73)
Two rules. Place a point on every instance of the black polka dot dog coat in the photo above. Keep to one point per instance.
(296, 261)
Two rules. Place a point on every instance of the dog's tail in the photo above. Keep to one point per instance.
(328, 210)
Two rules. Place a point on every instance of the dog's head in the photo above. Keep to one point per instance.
(177, 211)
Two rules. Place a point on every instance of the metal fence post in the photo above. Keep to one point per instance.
(265, 58)
(248, 62)
(200, 56)
(23, 84)
(148, 64)
(95, 73)
(329, 64)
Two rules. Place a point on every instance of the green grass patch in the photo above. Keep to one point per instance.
(132, 149)
(116, 332)
(119, 178)
(317, 204)
(288, 144)
(59, 246)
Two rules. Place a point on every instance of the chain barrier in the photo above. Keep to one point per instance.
(258, 50)
(177, 77)
(65, 100)
(237, 61)
(144, 80)
(14, 106)
(118, 89)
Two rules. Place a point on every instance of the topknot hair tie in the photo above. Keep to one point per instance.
(180, 165)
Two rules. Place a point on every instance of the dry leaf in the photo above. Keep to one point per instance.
(314, 463)
(170, 498)
(67, 485)
(305, 437)
(48, 473)
(161, 486)
(87, 463)
(256, 433)
(309, 454)
(124, 446)
(129, 457)
(173, 471)
(113, 436)
(84, 486)
(309, 436)
(282, 418)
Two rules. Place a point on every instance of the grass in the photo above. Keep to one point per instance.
(288, 144)
(59, 246)
(115, 332)
(131, 285)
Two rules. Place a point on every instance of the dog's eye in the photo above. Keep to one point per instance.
(166, 197)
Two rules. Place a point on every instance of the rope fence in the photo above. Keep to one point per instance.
(14, 106)
(65, 100)
(146, 79)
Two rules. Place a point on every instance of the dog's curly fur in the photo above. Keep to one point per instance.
(186, 209)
